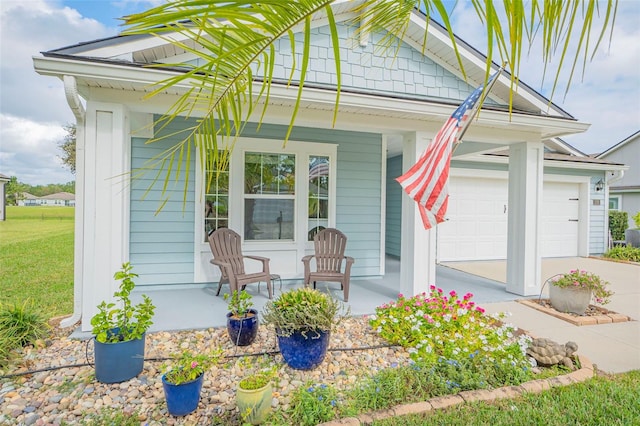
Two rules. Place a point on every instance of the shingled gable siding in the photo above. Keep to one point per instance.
(162, 246)
(402, 71)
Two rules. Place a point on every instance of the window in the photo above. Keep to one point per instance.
(216, 205)
(269, 196)
(614, 203)
(318, 195)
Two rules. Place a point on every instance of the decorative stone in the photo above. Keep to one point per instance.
(546, 352)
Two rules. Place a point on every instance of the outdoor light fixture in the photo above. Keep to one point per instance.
(599, 185)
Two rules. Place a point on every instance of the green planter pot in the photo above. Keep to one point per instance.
(569, 299)
(255, 404)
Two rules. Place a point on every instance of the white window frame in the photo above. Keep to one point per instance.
(618, 198)
(269, 248)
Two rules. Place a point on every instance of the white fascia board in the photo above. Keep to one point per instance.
(59, 67)
(147, 77)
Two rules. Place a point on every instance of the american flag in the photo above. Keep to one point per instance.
(427, 181)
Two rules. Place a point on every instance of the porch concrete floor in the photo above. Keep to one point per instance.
(199, 308)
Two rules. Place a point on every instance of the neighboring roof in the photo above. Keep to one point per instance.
(554, 156)
(626, 188)
(4, 178)
(620, 144)
(59, 196)
(27, 196)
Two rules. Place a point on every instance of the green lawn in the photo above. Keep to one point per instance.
(37, 258)
(599, 401)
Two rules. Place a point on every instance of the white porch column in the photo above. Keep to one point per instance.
(106, 203)
(525, 200)
(418, 246)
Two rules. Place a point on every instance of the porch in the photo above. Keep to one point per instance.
(200, 308)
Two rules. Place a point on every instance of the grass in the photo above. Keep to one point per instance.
(37, 258)
(603, 400)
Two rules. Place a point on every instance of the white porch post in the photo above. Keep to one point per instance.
(418, 247)
(525, 200)
(106, 203)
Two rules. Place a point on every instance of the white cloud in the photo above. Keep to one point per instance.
(29, 143)
(30, 151)
(607, 96)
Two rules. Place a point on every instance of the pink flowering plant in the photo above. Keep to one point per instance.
(438, 326)
(586, 280)
(188, 366)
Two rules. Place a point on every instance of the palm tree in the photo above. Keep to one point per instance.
(234, 41)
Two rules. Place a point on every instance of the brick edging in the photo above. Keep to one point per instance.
(608, 318)
(534, 386)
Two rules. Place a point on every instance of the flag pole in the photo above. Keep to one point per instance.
(476, 111)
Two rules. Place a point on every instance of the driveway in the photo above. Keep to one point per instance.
(612, 347)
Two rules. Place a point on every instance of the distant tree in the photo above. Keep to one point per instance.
(14, 190)
(68, 147)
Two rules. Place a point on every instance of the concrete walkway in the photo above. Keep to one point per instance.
(613, 347)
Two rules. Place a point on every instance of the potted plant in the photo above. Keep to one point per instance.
(572, 292)
(119, 331)
(182, 381)
(632, 236)
(242, 321)
(254, 394)
(303, 320)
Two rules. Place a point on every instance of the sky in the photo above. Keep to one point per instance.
(33, 109)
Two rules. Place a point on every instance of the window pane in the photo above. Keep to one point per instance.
(216, 206)
(268, 219)
(613, 203)
(318, 194)
(269, 173)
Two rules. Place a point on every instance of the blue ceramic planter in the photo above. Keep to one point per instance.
(304, 353)
(182, 399)
(119, 361)
(243, 331)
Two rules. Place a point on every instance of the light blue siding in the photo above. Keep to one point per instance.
(597, 215)
(394, 207)
(162, 245)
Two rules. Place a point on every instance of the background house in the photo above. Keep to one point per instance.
(518, 191)
(57, 199)
(624, 188)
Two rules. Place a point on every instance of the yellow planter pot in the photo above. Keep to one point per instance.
(255, 404)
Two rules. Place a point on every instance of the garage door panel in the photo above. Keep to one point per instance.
(477, 225)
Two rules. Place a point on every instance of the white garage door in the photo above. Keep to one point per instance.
(476, 228)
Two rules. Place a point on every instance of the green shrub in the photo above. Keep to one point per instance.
(628, 253)
(438, 326)
(22, 324)
(618, 224)
(313, 404)
(636, 219)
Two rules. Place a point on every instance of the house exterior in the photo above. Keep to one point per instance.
(624, 186)
(57, 199)
(518, 192)
(3, 196)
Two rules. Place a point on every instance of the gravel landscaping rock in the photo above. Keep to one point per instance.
(69, 395)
